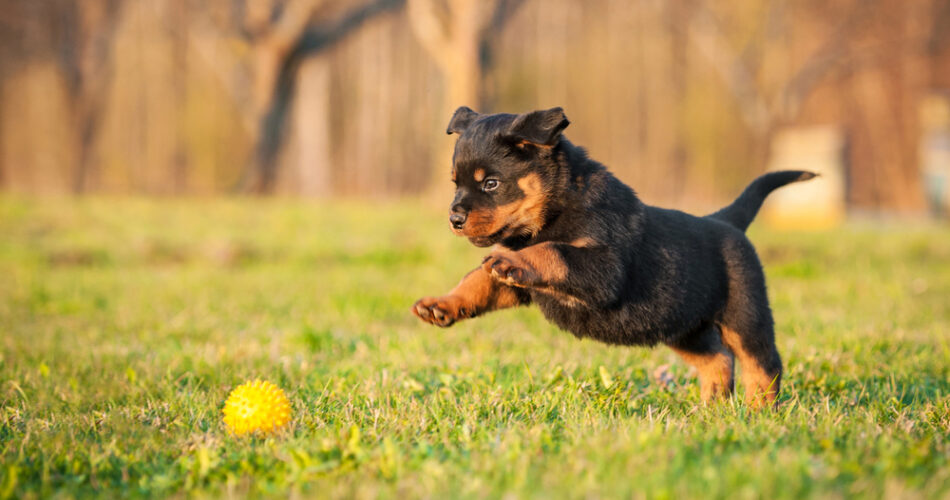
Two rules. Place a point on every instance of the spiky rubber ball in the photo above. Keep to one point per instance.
(256, 407)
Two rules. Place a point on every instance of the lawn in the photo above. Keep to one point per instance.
(125, 323)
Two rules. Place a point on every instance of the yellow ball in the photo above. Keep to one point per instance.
(256, 407)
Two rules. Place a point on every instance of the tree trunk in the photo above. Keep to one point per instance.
(456, 34)
(312, 121)
(85, 59)
(278, 56)
(179, 21)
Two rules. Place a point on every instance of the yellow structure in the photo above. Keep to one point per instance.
(818, 203)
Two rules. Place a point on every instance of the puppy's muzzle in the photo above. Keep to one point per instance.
(457, 220)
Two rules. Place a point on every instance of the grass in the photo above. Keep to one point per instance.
(125, 323)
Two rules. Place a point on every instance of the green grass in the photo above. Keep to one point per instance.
(125, 323)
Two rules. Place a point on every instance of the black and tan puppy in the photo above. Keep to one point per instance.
(600, 263)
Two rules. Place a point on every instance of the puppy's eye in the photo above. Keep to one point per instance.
(490, 185)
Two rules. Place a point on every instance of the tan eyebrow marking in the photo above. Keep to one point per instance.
(454, 175)
(479, 174)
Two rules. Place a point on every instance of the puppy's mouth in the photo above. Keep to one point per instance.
(483, 240)
(489, 240)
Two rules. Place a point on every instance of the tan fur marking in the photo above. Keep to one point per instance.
(583, 242)
(525, 143)
(482, 293)
(761, 388)
(549, 262)
(485, 222)
(715, 371)
(531, 212)
(566, 299)
(479, 174)
(545, 261)
(524, 216)
(476, 294)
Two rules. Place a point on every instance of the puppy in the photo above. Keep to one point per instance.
(571, 238)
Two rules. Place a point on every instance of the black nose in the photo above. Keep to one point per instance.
(457, 220)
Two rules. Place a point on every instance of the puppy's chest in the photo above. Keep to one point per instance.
(580, 318)
(571, 313)
(625, 323)
(566, 311)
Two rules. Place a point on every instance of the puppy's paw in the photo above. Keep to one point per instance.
(508, 269)
(442, 311)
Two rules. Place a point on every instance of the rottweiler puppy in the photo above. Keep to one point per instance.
(571, 238)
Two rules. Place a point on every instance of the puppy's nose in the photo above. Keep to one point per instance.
(457, 220)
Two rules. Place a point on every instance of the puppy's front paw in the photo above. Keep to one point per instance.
(442, 311)
(509, 270)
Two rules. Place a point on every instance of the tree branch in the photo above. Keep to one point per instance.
(827, 57)
(707, 35)
(316, 38)
(320, 36)
(759, 111)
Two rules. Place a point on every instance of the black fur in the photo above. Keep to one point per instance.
(646, 275)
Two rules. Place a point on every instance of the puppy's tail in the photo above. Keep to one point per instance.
(741, 212)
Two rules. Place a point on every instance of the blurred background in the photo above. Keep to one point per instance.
(198, 193)
(686, 100)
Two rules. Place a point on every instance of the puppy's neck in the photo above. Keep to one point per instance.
(576, 183)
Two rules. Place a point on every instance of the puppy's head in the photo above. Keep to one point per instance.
(503, 168)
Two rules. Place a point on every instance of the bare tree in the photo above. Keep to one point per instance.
(84, 32)
(763, 109)
(178, 22)
(461, 35)
(876, 39)
(282, 35)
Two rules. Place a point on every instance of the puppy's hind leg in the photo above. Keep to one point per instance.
(747, 326)
(760, 362)
(713, 360)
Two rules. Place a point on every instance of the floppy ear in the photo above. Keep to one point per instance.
(463, 117)
(541, 128)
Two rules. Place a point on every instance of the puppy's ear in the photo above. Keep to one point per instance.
(463, 117)
(541, 128)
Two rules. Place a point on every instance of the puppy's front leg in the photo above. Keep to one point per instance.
(538, 265)
(476, 294)
(579, 272)
(534, 266)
